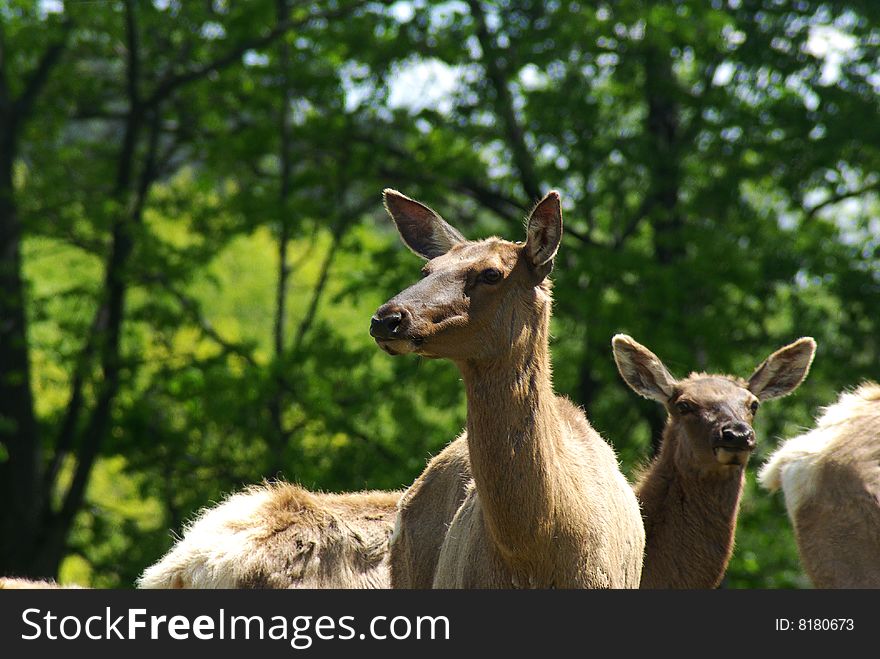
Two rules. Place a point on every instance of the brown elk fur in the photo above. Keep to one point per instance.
(690, 492)
(831, 480)
(690, 518)
(425, 512)
(549, 506)
(283, 536)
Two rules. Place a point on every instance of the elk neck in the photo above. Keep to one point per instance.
(515, 436)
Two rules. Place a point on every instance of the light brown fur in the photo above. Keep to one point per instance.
(425, 512)
(554, 513)
(690, 492)
(283, 536)
(690, 504)
(19, 583)
(831, 480)
(548, 506)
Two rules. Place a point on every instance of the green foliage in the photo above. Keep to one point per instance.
(718, 162)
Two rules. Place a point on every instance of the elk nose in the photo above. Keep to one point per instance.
(738, 435)
(385, 326)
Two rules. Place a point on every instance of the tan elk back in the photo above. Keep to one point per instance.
(548, 506)
(830, 476)
(21, 583)
(690, 492)
(279, 535)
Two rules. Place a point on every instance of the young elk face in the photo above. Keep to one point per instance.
(715, 411)
(475, 298)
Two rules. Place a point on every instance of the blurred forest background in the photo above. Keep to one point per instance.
(192, 240)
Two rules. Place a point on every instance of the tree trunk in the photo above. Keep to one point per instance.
(20, 440)
(20, 468)
(662, 132)
(107, 326)
(662, 126)
(279, 435)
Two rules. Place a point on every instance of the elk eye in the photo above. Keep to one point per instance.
(754, 406)
(684, 407)
(491, 275)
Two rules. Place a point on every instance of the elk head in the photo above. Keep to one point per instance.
(476, 299)
(713, 412)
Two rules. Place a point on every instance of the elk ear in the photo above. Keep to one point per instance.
(421, 229)
(544, 233)
(642, 370)
(784, 370)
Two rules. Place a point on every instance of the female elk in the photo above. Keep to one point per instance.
(549, 506)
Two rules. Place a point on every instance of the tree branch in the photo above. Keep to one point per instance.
(504, 207)
(284, 184)
(4, 84)
(501, 205)
(173, 82)
(309, 317)
(504, 106)
(37, 79)
(837, 198)
(643, 210)
(67, 429)
(275, 403)
(349, 429)
(339, 229)
(193, 309)
(92, 113)
(580, 236)
(689, 134)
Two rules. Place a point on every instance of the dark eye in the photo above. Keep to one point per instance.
(754, 406)
(490, 276)
(425, 273)
(684, 407)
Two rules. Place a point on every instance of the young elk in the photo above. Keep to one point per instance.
(831, 480)
(548, 506)
(283, 536)
(690, 493)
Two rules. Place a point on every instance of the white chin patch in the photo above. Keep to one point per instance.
(397, 346)
(728, 456)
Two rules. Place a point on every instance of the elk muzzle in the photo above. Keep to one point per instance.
(390, 327)
(386, 326)
(734, 443)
